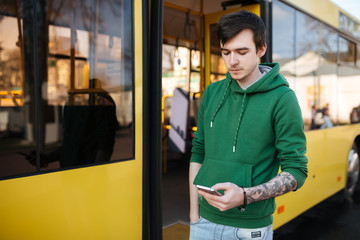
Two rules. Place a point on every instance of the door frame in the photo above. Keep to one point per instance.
(152, 27)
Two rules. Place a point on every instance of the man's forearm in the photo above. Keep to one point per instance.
(279, 185)
(194, 202)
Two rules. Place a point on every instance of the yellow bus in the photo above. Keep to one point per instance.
(81, 117)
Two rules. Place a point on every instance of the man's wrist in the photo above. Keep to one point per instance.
(194, 217)
(244, 204)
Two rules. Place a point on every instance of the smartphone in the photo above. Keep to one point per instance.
(209, 190)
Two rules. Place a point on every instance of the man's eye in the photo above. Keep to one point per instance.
(242, 53)
(225, 53)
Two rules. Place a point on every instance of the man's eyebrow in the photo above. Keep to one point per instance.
(238, 49)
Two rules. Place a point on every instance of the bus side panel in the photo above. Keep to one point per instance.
(327, 154)
(100, 202)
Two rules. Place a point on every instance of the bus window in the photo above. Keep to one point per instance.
(349, 98)
(358, 56)
(17, 129)
(295, 47)
(176, 72)
(284, 41)
(307, 52)
(308, 88)
(88, 92)
(319, 65)
(328, 77)
(346, 51)
(77, 108)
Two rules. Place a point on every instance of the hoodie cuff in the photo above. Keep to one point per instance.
(298, 175)
(197, 158)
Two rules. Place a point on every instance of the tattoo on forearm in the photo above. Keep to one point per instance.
(279, 185)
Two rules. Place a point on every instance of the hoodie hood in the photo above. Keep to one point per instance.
(269, 81)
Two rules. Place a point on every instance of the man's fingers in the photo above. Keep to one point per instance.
(208, 195)
(222, 186)
(220, 202)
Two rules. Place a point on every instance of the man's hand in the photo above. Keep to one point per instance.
(194, 217)
(233, 196)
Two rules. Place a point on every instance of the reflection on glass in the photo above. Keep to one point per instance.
(89, 127)
(17, 127)
(348, 95)
(343, 95)
(88, 90)
(309, 62)
(83, 105)
(358, 54)
(307, 66)
(283, 33)
(327, 72)
(284, 41)
(346, 51)
(327, 122)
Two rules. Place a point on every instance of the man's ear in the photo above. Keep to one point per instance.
(262, 51)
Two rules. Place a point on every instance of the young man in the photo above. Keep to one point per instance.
(249, 124)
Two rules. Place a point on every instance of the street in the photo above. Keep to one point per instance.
(332, 219)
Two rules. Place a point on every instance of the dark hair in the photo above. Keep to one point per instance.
(231, 24)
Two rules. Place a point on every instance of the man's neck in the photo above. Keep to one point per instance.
(245, 83)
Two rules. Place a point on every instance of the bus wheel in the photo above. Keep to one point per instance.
(353, 172)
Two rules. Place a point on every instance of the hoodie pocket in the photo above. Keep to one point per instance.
(214, 171)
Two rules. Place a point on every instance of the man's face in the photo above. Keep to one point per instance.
(241, 58)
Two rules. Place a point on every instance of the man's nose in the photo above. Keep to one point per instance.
(233, 59)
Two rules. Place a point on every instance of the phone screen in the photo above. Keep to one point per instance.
(209, 190)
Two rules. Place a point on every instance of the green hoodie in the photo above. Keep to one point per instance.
(243, 136)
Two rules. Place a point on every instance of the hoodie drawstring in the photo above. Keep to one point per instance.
(265, 84)
(220, 104)
(240, 118)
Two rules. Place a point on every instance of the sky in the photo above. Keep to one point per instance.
(351, 6)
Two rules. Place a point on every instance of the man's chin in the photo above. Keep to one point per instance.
(237, 77)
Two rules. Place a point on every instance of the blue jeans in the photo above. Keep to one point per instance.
(206, 230)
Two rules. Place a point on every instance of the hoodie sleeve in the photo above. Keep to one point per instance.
(198, 142)
(290, 140)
